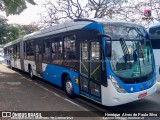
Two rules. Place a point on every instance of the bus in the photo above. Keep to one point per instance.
(154, 34)
(108, 61)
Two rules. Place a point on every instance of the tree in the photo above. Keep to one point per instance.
(128, 10)
(105, 8)
(134, 11)
(12, 7)
(8, 32)
(60, 10)
(27, 29)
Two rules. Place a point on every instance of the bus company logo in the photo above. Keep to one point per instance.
(148, 83)
(6, 114)
(141, 87)
(147, 13)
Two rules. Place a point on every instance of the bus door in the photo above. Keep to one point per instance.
(38, 56)
(90, 68)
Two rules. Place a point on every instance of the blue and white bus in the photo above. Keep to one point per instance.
(108, 61)
(154, 34)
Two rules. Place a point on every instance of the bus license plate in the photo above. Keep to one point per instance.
(142, 95)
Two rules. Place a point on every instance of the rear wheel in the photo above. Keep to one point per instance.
(69, 87)
(31, 73)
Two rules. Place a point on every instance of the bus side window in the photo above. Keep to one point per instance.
(69, 47)
(30, 50)
(47, 50)
(18, 51)
(155, 44)
(57, 56)
(69, 50)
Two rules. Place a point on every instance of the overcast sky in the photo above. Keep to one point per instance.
(29, 15)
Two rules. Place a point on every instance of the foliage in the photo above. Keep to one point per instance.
(27, 29)
(12, 7)
(8, 32)
(129, 10)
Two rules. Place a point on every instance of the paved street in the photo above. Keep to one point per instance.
(19, 93)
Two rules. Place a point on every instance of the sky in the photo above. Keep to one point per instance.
(29, 15)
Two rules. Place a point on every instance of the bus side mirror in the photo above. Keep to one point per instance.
(108, 47)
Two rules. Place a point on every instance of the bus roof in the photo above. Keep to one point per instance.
(70, 25)
(67, 26)
(154, 25)
(13, 42)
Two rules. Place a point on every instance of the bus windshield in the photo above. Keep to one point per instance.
(131, 58)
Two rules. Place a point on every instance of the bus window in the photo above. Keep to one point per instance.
(11, 51)
(57, 55)
(155, 44)
(5, 51)
(69, 47)
(47, 50)
(95, 72)
(69, 50)
(15, 51)
(18, 51)
(29, 50)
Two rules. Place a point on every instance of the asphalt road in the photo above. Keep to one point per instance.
(19, 93)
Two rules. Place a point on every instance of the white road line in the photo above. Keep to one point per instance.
(62, 97)
(76, 104)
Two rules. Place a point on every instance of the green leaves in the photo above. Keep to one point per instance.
(8, 32)
(12, 7)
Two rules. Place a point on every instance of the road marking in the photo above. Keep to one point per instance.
(76, 104)
(62, 97)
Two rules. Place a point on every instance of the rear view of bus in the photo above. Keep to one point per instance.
(154, 35)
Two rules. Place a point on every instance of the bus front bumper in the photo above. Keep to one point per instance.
(110, 97)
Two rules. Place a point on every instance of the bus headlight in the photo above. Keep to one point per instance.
(117, 85)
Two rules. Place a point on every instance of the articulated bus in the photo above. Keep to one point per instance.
(110, 62)
(154, 34)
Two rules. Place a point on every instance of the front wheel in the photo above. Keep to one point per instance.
(69, 87)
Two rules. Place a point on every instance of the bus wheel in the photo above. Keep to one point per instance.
(69, 87)
(31, 73)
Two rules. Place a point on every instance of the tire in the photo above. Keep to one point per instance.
(68, 87)
(31, 73)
